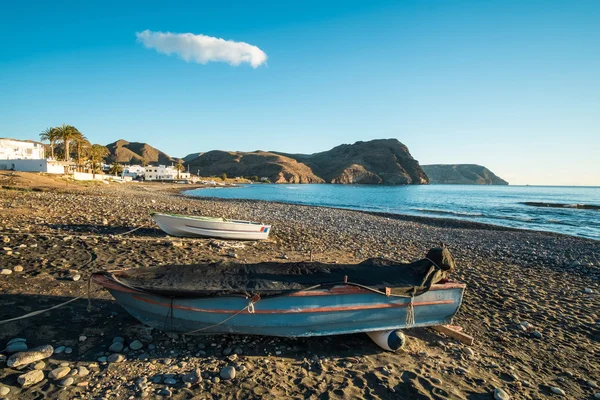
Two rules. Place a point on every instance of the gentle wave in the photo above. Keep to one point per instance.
(460, 213)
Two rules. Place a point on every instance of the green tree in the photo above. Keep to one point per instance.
(50, 135)
(179, 167)
(66, 134)
(97, 154)
(82, 145)
(115, 169)
(223, 176)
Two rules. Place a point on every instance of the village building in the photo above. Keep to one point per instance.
(28, 156)
(165, 173)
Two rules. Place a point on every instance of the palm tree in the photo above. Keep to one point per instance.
(115, 169)
(82, 143)
(67, 133)
(97, 154)
(51, 135)
(179, 167)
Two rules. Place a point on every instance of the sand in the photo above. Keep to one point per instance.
(531, 301)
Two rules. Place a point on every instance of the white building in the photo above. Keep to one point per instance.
(28, 156)
(13, 149)
(134, 171)
(164, 173)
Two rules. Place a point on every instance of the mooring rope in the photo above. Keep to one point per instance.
(249, 307)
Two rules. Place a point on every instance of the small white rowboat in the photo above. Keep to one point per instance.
(192, 226)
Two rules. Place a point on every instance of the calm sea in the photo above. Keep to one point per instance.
(499, 205)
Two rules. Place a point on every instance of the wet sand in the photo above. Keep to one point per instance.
(531, 302)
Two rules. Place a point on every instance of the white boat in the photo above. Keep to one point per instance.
(192, 226)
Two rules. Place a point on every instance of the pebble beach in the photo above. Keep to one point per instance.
(531, 303)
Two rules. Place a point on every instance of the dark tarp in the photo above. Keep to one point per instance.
(274, 278)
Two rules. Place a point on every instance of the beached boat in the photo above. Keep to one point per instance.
(197, 226)
(289, 299)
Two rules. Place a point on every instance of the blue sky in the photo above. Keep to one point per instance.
(512, 85)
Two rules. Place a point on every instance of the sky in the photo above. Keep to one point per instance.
(511, 85)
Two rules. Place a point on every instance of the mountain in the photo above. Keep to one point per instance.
(384, 161)
(275, 167)
(126, 152)
(191, 156)
(381, 161)
(461, 174)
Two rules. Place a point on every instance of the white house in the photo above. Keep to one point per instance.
(164, 173)
(14, 149)
(134, 171)
(28, 156)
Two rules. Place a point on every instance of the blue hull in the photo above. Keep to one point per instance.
(341, 310)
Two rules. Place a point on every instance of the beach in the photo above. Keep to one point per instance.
(531, 302)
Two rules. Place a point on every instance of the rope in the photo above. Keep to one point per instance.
(34, 313)
(249, 307)
(131, 231)
(410, 312)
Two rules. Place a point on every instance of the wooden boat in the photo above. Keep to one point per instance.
(197, 226)
(268, 305)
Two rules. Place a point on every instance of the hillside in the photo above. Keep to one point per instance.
(275, 167)
(381, 161)
(126, 152)
(461, 174)
(385, 161)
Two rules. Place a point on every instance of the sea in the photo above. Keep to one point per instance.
(497, 205)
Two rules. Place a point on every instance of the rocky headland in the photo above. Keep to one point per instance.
(461, 174)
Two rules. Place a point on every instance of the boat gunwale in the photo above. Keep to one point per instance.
(210, 219)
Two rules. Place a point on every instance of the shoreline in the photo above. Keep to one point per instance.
(526, 304)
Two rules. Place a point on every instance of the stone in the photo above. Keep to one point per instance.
(116, 347)
(82, 338)
(469, 352)
(136, 345)
(82, 371)
(104, 221)
(558, 391)
(115, 358)
(59, 349)
(67, 382)
(29, 357)
(16, 340)
(165, 393)
(59, 373)
(238, 350)
(589, 290)
(6, 271)
(4, 390)
(16, 347)
(227, 373)
(500, 394)
(102, 359)
(76, 277)
(170, 381)
(18, 268)
(537, 335)
(39, 365)
(227, 351)
(30, 378)
(591, 384)
(68, 350)
(597, 395)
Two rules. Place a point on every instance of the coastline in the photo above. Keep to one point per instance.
(513, 276)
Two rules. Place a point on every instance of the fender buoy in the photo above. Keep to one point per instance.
(388, 340)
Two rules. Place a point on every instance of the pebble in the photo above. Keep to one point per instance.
(165, 392)
(59, 373)
(589, 290)
(82, 338)
(500, 394)
(6, 271)
(136, 345)
(227, 351)
(170, 381)
(238, 350)
(67, 382)
(39, 365)
(68, 350)
(18, 268)
(28, 357)
(102, 359)
(4, 390)
(116, 358)
(558, 391)
(468, 351)
(76, 277)
(82, 371)
(16, 347)
(16, 340)
(30, 378)
(537, 335)
(227, 373)
(591, 384)
(118, 339)
(116, 347)
(59, 349)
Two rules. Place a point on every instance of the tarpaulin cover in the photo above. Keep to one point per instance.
(275, 278)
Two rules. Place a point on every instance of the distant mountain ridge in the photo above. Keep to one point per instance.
(125, 152)
(461, 174)
(382, 161)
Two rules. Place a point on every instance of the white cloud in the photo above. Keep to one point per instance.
(202, 49)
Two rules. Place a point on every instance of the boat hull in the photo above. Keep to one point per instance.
(340, 310)
(190, 227)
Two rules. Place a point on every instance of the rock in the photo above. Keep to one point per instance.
(4, 390)
(170, 381)
(118, 339)
(589, 290)
(238, 350)
(558, 391)
(597, 395)
(104, 221)
(16, 347)
(39, 365)
(469, 352)
(68, 350)
(16, 340)
(30, 378)
(59, 373)
(102, 359)
(82, 338)
(136, 345)
(76, 277)
(500, 394)
(591, 384)
(115, 358)
(29, 357)
(82, 371)
(116, 347)
(18, 268)
(67, 382)
(227, 373)
(227, 351)
(5, 271)
(537, 335)
(165, 392)
(59, 349)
